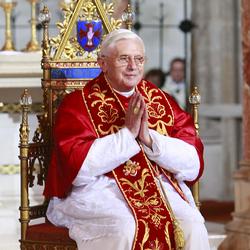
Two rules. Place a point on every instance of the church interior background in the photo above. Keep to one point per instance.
(213, 53)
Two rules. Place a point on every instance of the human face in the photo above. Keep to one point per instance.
(177, 72)
(123, 76)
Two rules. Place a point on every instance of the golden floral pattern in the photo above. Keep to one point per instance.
(149, 206)
(106, 111)
(131, 168)
(156, 111)
(100, 95)
(140, 185)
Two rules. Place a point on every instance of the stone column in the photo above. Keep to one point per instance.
(239, 229)
(215, 69)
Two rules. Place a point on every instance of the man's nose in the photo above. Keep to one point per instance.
(131, 63)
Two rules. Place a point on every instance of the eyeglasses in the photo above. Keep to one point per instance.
(124, 60)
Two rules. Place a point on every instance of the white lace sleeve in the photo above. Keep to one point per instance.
(107, 153)
(175, 155)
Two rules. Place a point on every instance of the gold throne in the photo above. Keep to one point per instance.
(68, 62)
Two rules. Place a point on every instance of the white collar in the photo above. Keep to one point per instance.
(126, 94)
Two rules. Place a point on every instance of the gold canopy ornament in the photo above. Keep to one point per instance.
(65, 46)
(8, 8)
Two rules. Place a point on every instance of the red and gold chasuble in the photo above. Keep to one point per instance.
(136, 177)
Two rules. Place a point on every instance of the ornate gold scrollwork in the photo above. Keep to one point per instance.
(66, 46)
(107, 113)
(156, 110)
(149, 208)
(138, 186)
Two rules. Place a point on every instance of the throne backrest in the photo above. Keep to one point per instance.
(68, 62)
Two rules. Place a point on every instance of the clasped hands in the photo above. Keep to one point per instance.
(136, 119)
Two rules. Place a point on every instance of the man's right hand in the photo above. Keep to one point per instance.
(134, 113)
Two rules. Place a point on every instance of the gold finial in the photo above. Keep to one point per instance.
(44, 18)
(128, 16)
(25, 99)
(25, 102)
(195, 100)
(195, 97)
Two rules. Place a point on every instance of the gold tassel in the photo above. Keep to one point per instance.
(178, 235)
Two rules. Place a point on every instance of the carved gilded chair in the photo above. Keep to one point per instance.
(67, 64)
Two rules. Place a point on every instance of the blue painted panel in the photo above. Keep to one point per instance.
(75, 73)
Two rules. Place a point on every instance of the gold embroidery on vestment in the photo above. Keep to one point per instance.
(149, 208)
(161, 125)
(139, 185)
(146, 235)
(131, 168)
(153, 244)
(156, 110)
(106, 111)
(141, 195)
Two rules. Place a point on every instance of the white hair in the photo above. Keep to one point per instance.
(116, 35)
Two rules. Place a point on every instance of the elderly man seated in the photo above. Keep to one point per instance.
(123, 154)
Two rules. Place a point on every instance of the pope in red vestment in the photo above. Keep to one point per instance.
(102, 109)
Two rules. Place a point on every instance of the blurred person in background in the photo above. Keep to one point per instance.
(156, 76)
(175, 84)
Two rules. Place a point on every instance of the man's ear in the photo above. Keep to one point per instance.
(102, 63)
